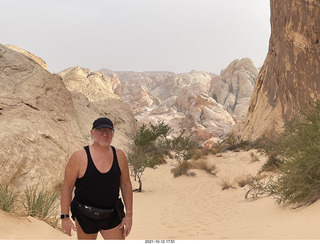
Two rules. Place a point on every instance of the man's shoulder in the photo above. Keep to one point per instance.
(79, 154)
(118, 151)
(79, 151)
(121, 156)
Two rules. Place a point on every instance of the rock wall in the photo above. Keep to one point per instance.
(290, 74)
(42, 122)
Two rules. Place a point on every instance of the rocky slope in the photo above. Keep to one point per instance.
(290, 74)
(42, 122)
(30, 55)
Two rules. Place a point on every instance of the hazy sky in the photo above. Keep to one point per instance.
(138, 35)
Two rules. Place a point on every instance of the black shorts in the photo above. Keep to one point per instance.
(92, 226)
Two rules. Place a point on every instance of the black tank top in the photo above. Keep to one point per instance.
(99, 189)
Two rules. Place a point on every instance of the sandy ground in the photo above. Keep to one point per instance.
(195, 207)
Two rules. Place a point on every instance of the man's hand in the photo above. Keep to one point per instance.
(126, 224)
(67, 225)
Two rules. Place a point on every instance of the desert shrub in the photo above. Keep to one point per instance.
(244, 180)
(199, 153)
(273, 163)
(233, 143)
(184, 147)
(40, 204)
(299, 147)
(259, 186)
(7, 199)
(182, 169)
(204, 165)
(226, 184)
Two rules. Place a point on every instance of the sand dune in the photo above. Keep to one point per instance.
(195, 207)
(27, 228)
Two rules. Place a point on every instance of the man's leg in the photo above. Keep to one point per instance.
(84, 236)
(113, 234)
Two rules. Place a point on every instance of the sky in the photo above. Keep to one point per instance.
(138, 35)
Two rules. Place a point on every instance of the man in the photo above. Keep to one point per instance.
(97, 172)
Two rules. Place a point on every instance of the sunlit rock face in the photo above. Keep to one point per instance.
(38, 123)
(42, 122)
(96, 86)
(290, 74)
(234, 86)
(28, 54)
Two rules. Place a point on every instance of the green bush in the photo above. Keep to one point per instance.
(7, 199)
(40, 204)
(151, 145)
(273, 163)
(183, 145)
(299, 146)
(148, 149)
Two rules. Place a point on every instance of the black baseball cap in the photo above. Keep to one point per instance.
(102, 123)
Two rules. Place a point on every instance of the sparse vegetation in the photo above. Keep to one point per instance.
(7, 199)
(244, 180)
(233, 143)
(206, 166)
(259, 186)
(184, 148)
(182, 169)
(226, 184)
(299, 147)
(148, 149)
(199, 153)
(151, 144)
(294, 157)
(40, 203)
(273, 163)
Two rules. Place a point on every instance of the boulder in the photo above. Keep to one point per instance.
(234, 86)
(96, 86)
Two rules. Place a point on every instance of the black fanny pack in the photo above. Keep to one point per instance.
(93, 212)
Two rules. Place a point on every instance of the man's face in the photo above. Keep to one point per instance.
(102, 136)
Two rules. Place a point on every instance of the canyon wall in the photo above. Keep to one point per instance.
(290, 74)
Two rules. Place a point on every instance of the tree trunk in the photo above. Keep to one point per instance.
(140, 185)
